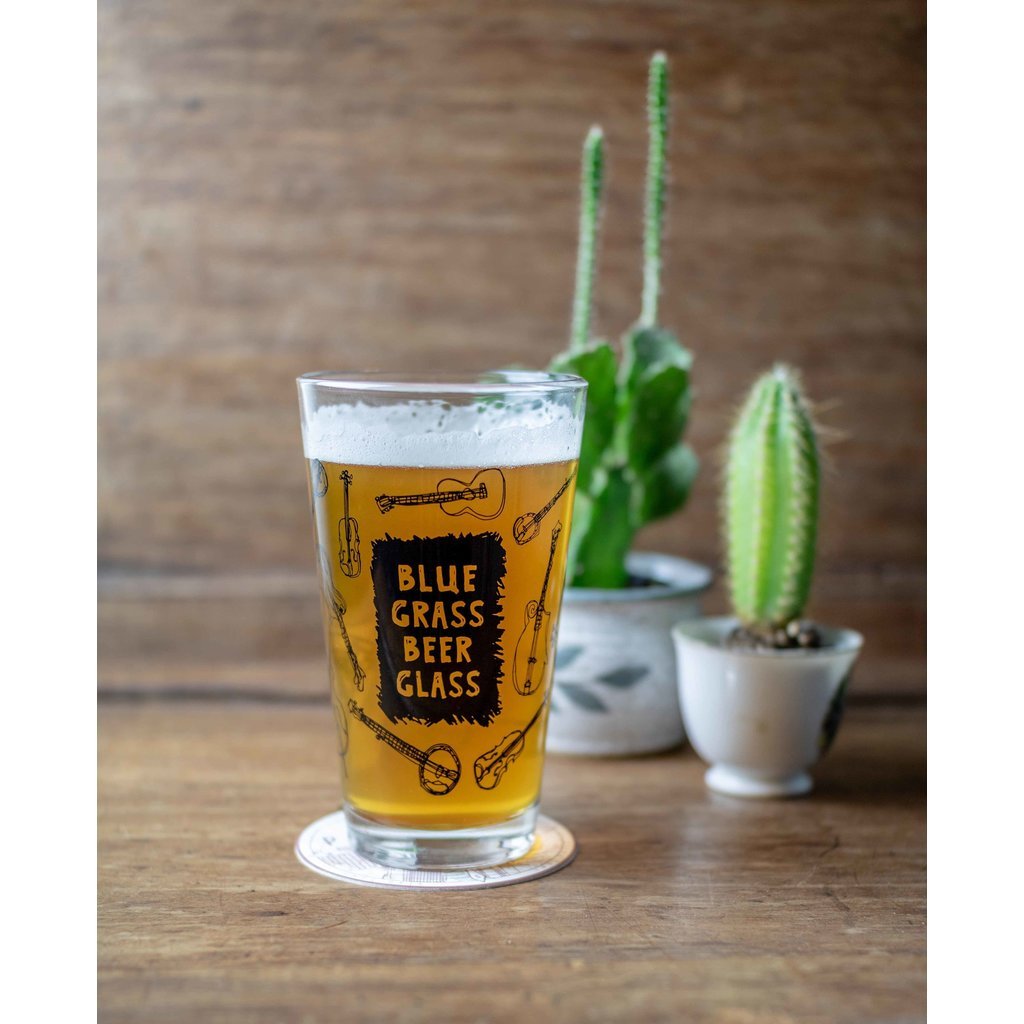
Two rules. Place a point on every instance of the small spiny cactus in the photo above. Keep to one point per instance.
(771, 503)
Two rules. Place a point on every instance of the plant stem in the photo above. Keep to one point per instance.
(654, 205)
(591, 184)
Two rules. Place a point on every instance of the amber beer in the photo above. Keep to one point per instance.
(441, 591)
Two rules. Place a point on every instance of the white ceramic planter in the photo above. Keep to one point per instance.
(615, 676)
(761, 718)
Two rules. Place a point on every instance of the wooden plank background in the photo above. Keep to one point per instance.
(312, 184)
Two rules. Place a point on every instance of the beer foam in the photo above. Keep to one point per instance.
(433, 433)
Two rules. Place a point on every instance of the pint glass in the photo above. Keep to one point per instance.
(441, 510)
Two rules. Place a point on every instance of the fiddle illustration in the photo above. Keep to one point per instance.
(348, 536)
(489, 768)
(531, 657)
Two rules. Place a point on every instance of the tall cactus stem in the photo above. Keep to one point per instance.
(654, 205)
(771, 502)
(591, 185)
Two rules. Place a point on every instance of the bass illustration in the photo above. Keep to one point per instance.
(483, 496)
(348, 536)
(531, 654)
(337, 605)
(440, 769)
(490, 768)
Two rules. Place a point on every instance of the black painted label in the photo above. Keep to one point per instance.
(439, 626)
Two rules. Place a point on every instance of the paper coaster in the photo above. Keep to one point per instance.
(324, 847)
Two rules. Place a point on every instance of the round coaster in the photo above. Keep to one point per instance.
(324, 847)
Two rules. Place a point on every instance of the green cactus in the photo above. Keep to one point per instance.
(633, 467)
(771, 503)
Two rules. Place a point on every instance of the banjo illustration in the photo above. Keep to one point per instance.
(527, 526)
(334, 599)
(440, 769)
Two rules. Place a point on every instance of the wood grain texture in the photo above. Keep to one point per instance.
(680, 906)
(286, 187)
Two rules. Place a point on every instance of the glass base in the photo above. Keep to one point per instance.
(442, 850)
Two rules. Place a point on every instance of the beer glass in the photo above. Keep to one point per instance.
(441, 510)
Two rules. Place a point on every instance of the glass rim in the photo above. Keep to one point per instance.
(430, 383)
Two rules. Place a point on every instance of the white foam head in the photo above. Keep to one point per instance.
(434, 433)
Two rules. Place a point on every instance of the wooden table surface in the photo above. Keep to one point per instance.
(681, 906)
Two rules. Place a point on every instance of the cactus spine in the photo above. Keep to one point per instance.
(591, 184)
(771, 502)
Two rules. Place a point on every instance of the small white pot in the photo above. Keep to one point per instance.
(761, 718)
(615, 674)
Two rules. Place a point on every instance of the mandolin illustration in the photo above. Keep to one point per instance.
(531, 656)
(348, 536)
(483, 496)
(440, 769)
(337, 605)
(490, 768)
(527, 526)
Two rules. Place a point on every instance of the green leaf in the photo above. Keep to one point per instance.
(650, 348)
(596, 364)
(655, 398)
(625, 677)
(567, 655)
(602, 533)
(665, 486)
(581, 697)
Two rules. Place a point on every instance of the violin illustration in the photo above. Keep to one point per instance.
(348, 536)
(490, 768)
(337, 605)
(440, 769)
(483, 496)
(527, 526)
(528, 666)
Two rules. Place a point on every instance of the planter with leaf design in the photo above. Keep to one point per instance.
(615, 687)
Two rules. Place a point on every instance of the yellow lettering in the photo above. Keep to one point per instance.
(405, 580)
(449, 586)
(458, 619)
(472, 689)
(468, 583)
(419, 614)
(411, 650)
(423, 582)
(402, 683)
(462, 648)
(437, 690)
(476, 611)
(398, 616)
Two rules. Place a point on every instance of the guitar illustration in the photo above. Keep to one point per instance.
(348, 536)
(483, 496)
(528, 666)
(440, 769)
(527, 526)
(490, 768)
(337, 605)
